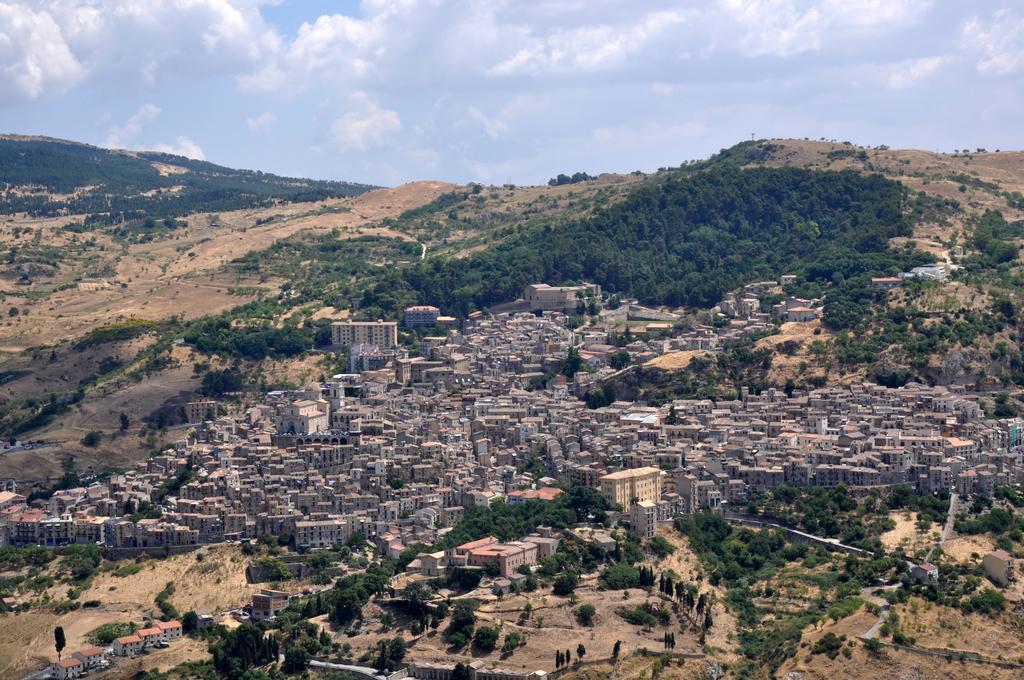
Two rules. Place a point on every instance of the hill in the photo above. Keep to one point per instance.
(256, 287)
(45, 177)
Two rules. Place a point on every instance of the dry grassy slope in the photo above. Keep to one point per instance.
(99, 281)
(215, 584)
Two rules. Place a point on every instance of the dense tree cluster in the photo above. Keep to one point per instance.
(683, 240)
(125, 186)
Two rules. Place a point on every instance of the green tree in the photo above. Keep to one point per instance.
(486, 638)
(91, 439)
(573, 363)
(565, 584)
(619, 360)
(585, 614)
(296, 660)
(189, 622)
(59, 642)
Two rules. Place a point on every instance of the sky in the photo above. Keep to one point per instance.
(391, 91)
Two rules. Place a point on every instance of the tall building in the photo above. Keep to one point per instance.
(627, 487)
(558, 298)
(379, 333)
(420, 316)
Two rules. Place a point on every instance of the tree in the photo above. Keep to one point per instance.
(58, 640)
(581, 651)
(512, 641)
(616, 649)
(124, 422)
(91, 439)
(565, 583)
(619, 360)
(296, 659)
(486, 638)
(573, 363)
(189, 622)
(585, 614)
(461, 672)
(558, 658)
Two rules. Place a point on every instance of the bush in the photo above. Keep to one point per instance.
(108, 632)
(486, 638)
(585, 614)
(92, 439)
(620, 577)
(988, 601)
(829, 644)
(565, 583)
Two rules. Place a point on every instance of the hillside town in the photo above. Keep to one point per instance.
(401, 450)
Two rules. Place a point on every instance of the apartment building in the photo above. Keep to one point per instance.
(380, 333)
(420, 316)
(627, 487)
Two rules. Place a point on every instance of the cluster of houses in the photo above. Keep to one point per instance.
(160, 634)
(401, 452)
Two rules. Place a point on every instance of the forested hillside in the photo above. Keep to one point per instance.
(46, 177)
(682, 239)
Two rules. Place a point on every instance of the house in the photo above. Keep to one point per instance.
(267, 604)
(150, 637)
(129, 645)
(801, 314)
(999, 567)
(171, 630)
(90, 656)
(924, 572)
(885, 282)
(67, 668)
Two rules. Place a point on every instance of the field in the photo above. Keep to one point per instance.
(907, 535)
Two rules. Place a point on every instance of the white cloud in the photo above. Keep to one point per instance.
(910, 72)
(785, 28)
(34, 56)
(121, 136)
(366, 126)
(587, 48)
(49, 45)
(498, 125)
(261, 122)
(183, 146)
(999, 41)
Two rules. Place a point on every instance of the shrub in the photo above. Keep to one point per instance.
(486, 638)
(585, 614)
(565, 583)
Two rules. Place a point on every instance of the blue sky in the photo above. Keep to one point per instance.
(389, 91)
